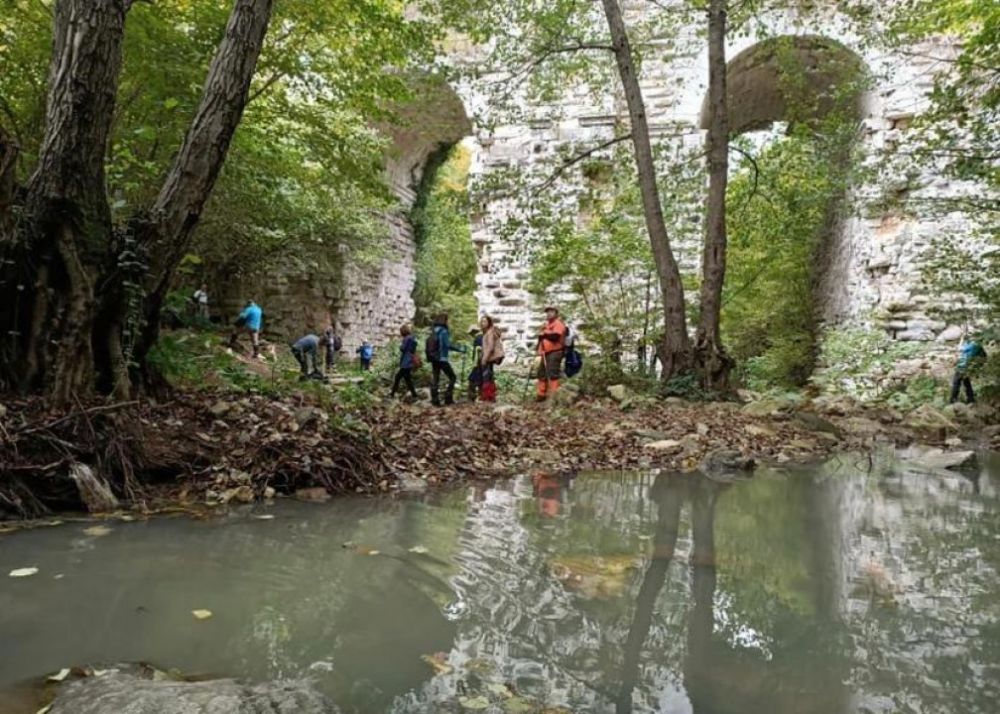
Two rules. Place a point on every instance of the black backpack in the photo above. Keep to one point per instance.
(337, 343)
(432, 347)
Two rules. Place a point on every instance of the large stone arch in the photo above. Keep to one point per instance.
(377, 299)
(795, 79)
(367, 299)
(759, 94)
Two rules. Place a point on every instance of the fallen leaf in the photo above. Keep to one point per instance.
(518, 705)
(479, 702)
(500, 690)
(437, 661)
(202, 614)
(97, 531)
(264, 517)
(60, 675)
(418, 549)
(23, 572)
(45, 709)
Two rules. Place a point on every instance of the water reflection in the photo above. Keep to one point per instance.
(848, 587)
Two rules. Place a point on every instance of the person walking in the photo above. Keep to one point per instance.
(408, 361)
(332, 344)
(491, 355)
(438, 350)
(250, 321)
(551, 345)
(476, 373)
(306, 352)
(970, 356)
(200, 299)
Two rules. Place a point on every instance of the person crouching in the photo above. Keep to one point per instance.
(306, 352)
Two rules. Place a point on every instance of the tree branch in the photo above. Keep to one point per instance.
(572, 161)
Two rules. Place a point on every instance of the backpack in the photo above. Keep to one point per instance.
(500, 353)
(432, 347)
(367, 352)
(574, 362)
(571, 336)
(337, 343)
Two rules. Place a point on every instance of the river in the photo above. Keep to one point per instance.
(855, 585)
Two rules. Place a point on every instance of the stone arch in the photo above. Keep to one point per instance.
(376, 300)
(759, 94)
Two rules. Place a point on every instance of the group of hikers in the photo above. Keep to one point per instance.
(554, 348)
(554, 340)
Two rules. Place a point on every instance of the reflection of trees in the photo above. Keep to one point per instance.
(717, 677)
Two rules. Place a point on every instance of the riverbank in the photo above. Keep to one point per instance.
(211, 448)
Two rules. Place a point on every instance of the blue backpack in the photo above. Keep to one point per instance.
(574, 362)
(367, 352)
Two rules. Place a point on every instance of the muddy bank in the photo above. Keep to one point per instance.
(203, 448)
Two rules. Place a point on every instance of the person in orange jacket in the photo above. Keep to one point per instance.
(551, 346)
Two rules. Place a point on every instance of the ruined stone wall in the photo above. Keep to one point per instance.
(873, 270)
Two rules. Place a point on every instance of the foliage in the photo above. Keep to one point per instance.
(446, 258)
(304, 174)
(858, 361)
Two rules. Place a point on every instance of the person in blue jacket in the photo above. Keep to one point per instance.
(970, 356)
(249, 320)
(365, 355)
(439, 346)
(407, 361)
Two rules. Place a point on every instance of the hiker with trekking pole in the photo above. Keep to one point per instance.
(551, 346)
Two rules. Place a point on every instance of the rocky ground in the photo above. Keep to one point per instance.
(210, 449)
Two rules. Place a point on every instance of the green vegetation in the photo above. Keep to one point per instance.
(446, 258)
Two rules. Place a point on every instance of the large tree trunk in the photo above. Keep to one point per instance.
(165, 233)
(78, 300)
(675, 353)
(58, 257)
(713, 364)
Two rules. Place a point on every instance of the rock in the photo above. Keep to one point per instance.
(813, 422)
(411, 484)
(618, 392)
(767, 407)
(219, 408)
(94, 491)
(834, 405)
(757, 430)
(540, 456)
(650, 434)
(725, 461)
(927, 417)
(862, 426)
(307, 415)
(702, 429)
(952, 333)
(132, 693)
(269, 493)
(241, 494)
(990, 431)
(565, 397)
(664, 446)
(934, 458)
(317, 494)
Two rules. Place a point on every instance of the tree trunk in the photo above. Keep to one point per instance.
(675, 353)
(712, 362)
(165, 232)
(61, 252)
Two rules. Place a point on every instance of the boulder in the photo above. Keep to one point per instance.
(768, 406)
(813, 422)
(618, 392)
(663, 447)
(120, 692)
(933, 458)
(926, 417)
(725, 461)
(757, 430)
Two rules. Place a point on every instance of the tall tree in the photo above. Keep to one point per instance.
(71, 279)
(712, 361)
(676, 350)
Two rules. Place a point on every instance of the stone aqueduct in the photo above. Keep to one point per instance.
(872, 266)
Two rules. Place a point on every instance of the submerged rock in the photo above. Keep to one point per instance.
(934, 458)
(118, 692)
(726, 461)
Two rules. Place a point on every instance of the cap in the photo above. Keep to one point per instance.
(553, 308)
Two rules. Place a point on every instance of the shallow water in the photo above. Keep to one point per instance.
(846, 587)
